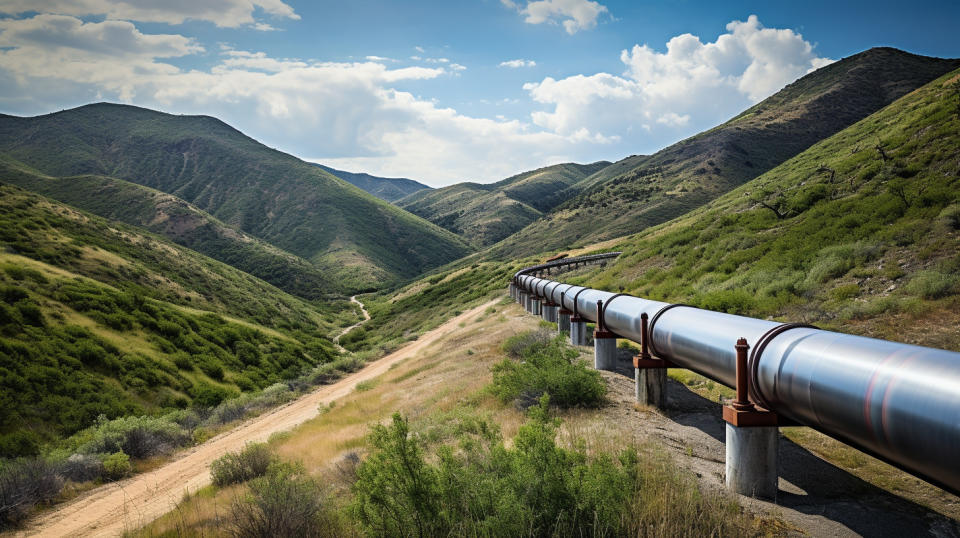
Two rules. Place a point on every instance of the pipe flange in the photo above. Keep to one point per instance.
(652, 324)
(603, 311)
(576, 311)
(753, 361)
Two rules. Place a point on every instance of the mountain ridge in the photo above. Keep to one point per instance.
(642, 191)
(361, 240)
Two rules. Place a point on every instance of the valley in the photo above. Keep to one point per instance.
(172, 291)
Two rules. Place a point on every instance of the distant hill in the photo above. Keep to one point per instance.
(98, 317)
(487, 213)
(861, 231)
(390, 189)
(358, 240)
(642, 191)
(179, 221)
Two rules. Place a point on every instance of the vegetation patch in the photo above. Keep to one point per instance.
(542, 363)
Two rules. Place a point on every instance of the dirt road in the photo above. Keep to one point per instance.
(366, 318)
(114, 508)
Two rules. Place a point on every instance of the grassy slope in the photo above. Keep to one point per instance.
(833, 261)
(361, 240)
(485, 214)
(97, 317)
(870, 248)
(390, 189)
(642, 191)
(179, 221)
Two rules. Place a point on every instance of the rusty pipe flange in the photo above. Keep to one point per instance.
(653, 323)
(753, 361)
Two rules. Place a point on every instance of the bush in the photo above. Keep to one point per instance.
(23, 485)
(117, 466)
(535, 488)
(138, 437)
(82, 468)
(284, 502)
(546, 367)
(232, 468)
(931, 284)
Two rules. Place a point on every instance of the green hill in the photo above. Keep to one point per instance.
(179, 221)
(859, 232)
(642, 191)
(390, 189)
(485, 214)
(357, 239)
(97, 317)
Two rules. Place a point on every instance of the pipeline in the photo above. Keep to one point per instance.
(897, 402)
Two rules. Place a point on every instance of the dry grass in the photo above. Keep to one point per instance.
(441, 377)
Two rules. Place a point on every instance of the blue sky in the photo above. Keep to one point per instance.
(444, 91)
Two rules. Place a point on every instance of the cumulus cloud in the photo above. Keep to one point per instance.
(691, 85)
(110, 54)
(573, 15)
(352, 115)
(224, 13)
(518, 63)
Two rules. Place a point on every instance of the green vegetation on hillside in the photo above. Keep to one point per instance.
(643, 191)
(390, 189)
(361, 242)
(401, 316)
(863, 224)
(180, 222)
(96, 318)
(485, 214)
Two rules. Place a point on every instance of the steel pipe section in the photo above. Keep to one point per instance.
(898, 402)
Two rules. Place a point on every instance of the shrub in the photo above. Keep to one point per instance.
(232, 468)
(535, 488)
(931, 284)
(23, 485)
(138, 437)
(116, 466)
(519, 345)
(551, 367)
(284, 502)
(81, 468)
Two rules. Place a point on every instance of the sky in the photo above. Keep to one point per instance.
(450, 90)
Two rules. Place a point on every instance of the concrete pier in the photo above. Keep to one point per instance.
(563, 320)
(549, 312)
(604, 350)
(651, 386)
(751, 465)
(578, 331)
(535, 306)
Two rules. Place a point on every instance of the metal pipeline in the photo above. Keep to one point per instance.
(898, 402)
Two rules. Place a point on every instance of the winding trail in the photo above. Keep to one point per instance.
(366, 318)
(112, 509)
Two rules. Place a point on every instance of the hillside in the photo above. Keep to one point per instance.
(861, 232)
(179, 221)
(97, 317)
(390, 189)
(357, 239)
(642, 191)
(485, 214)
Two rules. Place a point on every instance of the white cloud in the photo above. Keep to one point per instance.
(518, 63)
(574, 15)
(351, 115)
(224, 13)
(693, 85)
(419, 49)
(110, 54)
